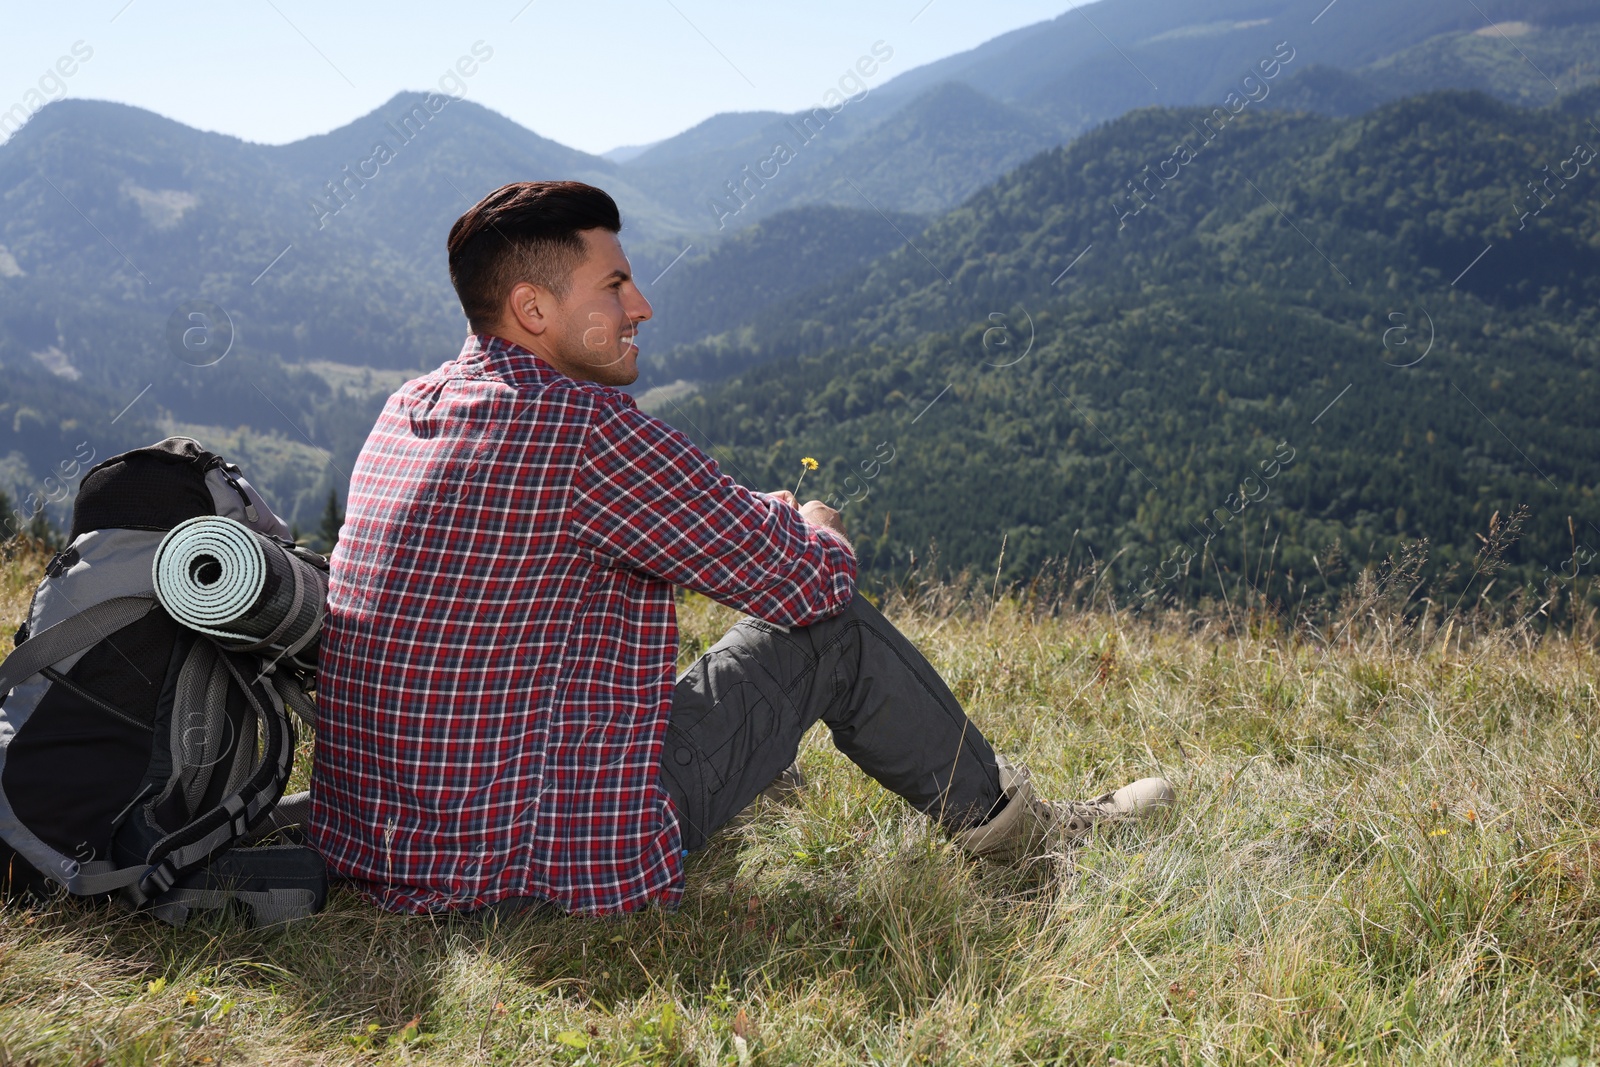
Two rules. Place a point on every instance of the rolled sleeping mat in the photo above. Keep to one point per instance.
(218, 576)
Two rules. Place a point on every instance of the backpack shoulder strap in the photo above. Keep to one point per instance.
(236, 814)
(212, 831)
(70, 636)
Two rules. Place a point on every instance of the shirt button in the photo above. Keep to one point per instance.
(683, 756)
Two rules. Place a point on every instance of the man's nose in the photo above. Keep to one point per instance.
(639, 310)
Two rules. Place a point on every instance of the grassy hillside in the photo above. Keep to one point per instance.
(1386, 853)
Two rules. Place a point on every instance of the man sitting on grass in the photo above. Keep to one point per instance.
(499, 722)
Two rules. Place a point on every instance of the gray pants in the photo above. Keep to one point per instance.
(739, 711)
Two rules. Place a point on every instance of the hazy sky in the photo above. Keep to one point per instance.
(590, 75)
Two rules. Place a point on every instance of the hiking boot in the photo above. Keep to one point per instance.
(1027, 823)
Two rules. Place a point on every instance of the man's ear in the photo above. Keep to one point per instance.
(530, 307)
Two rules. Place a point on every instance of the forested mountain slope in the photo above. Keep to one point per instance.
(1381, 312)
(772, 265)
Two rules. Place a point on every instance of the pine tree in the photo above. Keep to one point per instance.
(332, 519)
(42, 531)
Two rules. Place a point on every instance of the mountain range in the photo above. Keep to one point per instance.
(903, 216)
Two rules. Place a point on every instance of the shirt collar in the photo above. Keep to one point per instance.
(494, 356)
(506, 359)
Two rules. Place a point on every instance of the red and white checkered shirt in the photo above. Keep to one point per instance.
(497, 668)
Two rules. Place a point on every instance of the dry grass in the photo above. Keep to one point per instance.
(1387, 852)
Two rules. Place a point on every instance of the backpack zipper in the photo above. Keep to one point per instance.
(109, 708)
(230, 474)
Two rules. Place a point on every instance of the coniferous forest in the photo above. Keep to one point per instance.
(1323, 341)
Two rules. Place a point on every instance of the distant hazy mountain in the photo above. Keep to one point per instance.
(1100, 60)
(1518, 61)
(623, 153)
(921, 147)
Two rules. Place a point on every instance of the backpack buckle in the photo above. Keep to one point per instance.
(238, 815)
(158, 879)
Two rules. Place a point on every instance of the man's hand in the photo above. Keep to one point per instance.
(814, 511)
(819, 514)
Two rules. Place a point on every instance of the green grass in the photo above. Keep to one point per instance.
(1386, 852)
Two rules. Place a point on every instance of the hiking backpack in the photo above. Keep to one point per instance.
(143, 725)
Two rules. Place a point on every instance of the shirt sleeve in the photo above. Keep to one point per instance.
(646, 498)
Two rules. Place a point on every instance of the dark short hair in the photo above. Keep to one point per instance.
(523, 232)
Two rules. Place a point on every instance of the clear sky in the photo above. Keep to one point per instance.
(590, 75)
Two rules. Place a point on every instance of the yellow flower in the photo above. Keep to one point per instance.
(806, 464)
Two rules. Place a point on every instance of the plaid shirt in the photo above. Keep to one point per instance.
(498, 664)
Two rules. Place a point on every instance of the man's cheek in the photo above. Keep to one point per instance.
(598, 335)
